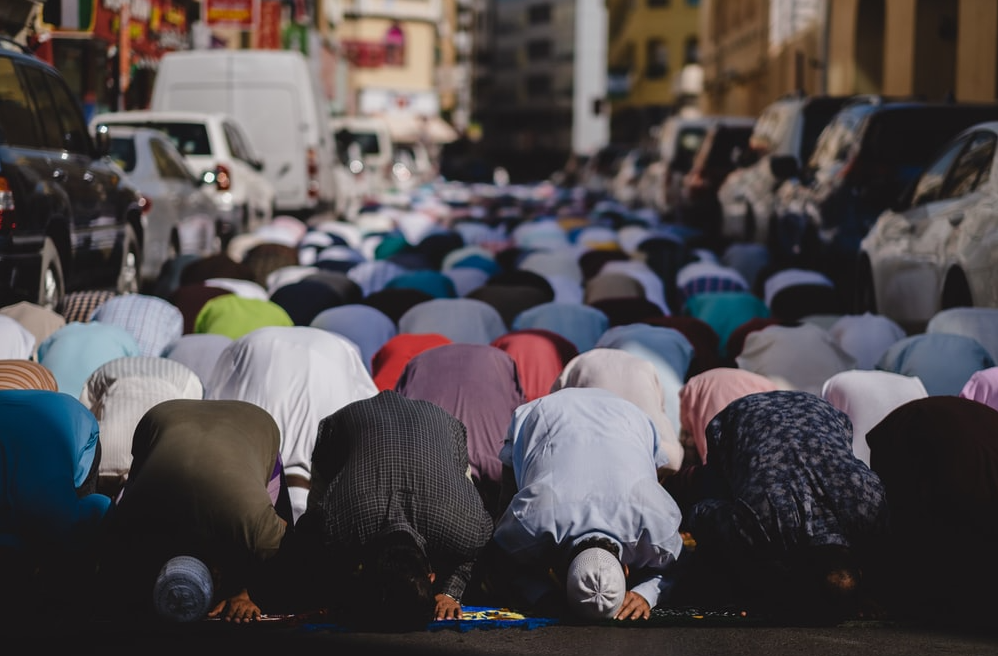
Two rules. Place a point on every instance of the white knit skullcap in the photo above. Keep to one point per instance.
(595, 584)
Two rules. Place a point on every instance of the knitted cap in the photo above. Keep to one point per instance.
(595, 584)
(183, 591)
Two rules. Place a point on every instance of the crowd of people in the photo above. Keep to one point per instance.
(521, 397)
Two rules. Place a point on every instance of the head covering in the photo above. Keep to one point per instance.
(706, 344)
(16, 341)
(707, 393)
(630, 377)
(78, 306)
(866, 336)
(120, 392)
(595, 584)
(510, 300)
(50, 443)
(234, 316)
(653, 287)
(298, 374)
(466, 320)
(76, 350)
(983, 387)
(478, 384)
(304, 299)
(367, 327)
(434, 283)
(240, 287)
(665, 348)
(867, 397)
(26, 374)
(981, 323)
(703, 277)
(374, 275)
(389, 361)
(155, 323)
(183, 591)
(800, 357)
(943, 361)
(726, 311)
(540, 355)
(40, 322)
(199, 351)
(580, 324)
(264, 259)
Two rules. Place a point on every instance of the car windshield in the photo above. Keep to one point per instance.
(122, 151)
(189, 138)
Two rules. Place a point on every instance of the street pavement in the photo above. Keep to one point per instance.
(216, 637)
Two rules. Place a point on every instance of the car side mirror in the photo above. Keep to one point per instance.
(102, 140)
(784, 167)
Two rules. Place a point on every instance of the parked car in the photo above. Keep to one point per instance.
(724, 146)
(863, 161)
(70, 218)
(366, 171)
(413, 165)
(679, 138)
(788, 127)
(937, 247)
(181, 216)
(217, 147)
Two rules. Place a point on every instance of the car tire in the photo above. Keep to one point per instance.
(956, 291)
(131, 264)
(51, 284)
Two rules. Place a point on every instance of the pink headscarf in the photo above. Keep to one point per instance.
(982, 387)
(709, 392)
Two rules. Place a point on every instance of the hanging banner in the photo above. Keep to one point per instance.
(269, 33)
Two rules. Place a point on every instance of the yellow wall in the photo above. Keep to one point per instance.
(418, 72)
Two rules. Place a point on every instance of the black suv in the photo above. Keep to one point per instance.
(69, 217)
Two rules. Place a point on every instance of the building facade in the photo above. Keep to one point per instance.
(754, 51)
(650, 44)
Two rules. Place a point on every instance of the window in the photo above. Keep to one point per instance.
(930, 183)
(972, 167)
(17, 122)
(539, 14)
(538, 49)
(691, 50)
(122, 151)
(658, 3)
(538, 85)
(170, 166)
(656, 59)
(237, 142)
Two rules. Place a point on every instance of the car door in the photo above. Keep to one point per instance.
(89, 182)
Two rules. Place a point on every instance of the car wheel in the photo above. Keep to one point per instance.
(865, 297)
(128, 274)
(52, 286)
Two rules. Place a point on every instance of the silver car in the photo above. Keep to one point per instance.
(180, 216)
(937, 248)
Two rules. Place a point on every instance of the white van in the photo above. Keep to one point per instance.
(275, 95)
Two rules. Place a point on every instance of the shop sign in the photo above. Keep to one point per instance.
(229, 13)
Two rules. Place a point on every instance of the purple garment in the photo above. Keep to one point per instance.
(478, 384)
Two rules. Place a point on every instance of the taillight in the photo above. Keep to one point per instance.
(312, 165)
(223, 179)
(6, 205)
(145, 204)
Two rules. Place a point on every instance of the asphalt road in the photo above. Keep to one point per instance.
(850, 639)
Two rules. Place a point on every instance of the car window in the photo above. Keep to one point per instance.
(930, 183)
(122, 151)
(972, 167)
(61, 117)
(168, 163)
(17, 121)
(188, 138)
(237, 144)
